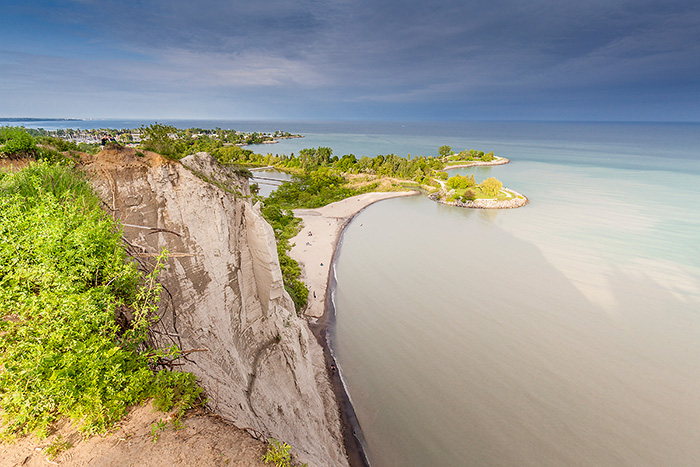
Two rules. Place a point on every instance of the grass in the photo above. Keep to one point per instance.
(479, 194)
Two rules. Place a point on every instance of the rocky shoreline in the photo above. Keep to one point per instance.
(496, 161)
(518, 200)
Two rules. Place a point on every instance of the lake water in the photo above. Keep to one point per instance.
(566, 332)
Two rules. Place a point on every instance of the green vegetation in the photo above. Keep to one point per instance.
(157, 138)
(176, 144)
(157, 428)
(57, 446)
(16, 143)
(312, 190)
(464, 188)
(444, 151)
(458, 182)
(471, 155)
(279, 454)
(63, 276)
(287, 226)
(491, 186)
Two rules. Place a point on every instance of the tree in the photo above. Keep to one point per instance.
(157, 139)
(460, 182)
(468, 196)
(445, 150)
(491, 186)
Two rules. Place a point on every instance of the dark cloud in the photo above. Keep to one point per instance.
(383, 56)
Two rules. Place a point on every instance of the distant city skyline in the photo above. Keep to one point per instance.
(595, 60)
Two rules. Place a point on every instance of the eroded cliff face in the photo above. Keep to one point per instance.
(258, 362)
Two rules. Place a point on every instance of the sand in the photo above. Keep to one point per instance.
(315, 245)
(137, 440)
(315, 254)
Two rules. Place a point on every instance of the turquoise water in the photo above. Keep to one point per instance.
(566, 332)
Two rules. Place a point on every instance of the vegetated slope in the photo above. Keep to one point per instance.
(63, 275)
(224, 301)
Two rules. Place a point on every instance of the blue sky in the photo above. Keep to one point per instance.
(343, 59)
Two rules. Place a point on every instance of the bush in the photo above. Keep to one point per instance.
(163, 140)
(491, 186)
(445, 151)
(459, 182)
(63, 274)
(278, 454)
(16, 143)
(468, 196)
(287, 226)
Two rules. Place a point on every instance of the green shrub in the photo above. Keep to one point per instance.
(63, 273)
(286, 226)
(469, 195)
(278, 454)
(16, 142)
(458, 182)
(491, 186)
(164, 140)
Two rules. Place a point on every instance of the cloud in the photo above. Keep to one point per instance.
(373, 52)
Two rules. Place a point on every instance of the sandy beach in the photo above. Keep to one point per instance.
(314, 249)
(315, 245)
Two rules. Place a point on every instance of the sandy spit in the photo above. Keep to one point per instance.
(315, 245)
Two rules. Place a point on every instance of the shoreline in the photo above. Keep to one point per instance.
(328, 224)
(517, 200)
(314, 246)
(496, 161)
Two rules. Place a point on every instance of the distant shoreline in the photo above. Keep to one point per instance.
(273, 141)
(32, 119)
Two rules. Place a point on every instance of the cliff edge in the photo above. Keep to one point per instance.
(223, 297)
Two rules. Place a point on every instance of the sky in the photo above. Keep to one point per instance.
(590, 60)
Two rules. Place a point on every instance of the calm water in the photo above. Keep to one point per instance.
(268, 180)
(563, 333)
